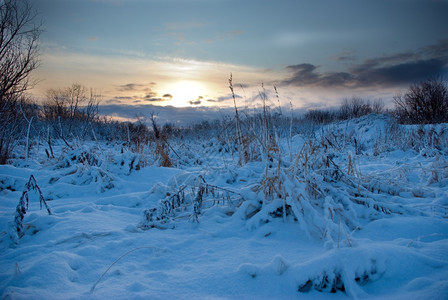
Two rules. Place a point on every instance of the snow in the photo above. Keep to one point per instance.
(389, 240)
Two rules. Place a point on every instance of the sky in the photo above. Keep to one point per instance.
(176, 56)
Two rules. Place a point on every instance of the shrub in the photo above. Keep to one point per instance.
(424, 103)
(354, 107)
(319, 116)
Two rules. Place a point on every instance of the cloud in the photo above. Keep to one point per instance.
(112, 101)
(306, 75)
(390, 70)
(401, 73)
(345, 56)
(197, 101)
(152, 97)
(303, 74)
(138, 89)
(224, 98)
(437, 50)
(133, 87)
(130, 87)
(93, 38)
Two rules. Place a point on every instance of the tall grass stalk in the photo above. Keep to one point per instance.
(238, 125)
(22, 207)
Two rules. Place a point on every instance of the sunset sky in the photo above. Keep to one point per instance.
(179, 53)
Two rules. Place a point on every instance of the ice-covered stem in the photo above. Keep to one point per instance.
(238, 124)
(290, 133)
(49, 143)
(29, 121)
(197, 204)
(278, 100)
(61, 134)
(20, 213)
(92, 289)
(23, 204)
(27, 150)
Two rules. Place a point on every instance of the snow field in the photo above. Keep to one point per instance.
(368, 221)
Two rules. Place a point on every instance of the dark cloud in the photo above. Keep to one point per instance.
(196, 101)
(112, 101)
(437, 50)
(303, 74)
(150, 95)
(403, 73)
(130, 87)
(306, 74)
(392, 59)
(395, 69)
(346, 56)
(154, 99)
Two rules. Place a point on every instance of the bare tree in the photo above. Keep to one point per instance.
(19, 33)
(90, 111)
(71, 109)
(378, 106)
(18, 46)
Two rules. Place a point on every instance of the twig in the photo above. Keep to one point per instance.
(117, 260)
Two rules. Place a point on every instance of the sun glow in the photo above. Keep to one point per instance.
(186, 93)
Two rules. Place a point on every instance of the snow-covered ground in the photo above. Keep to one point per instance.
(358, 210)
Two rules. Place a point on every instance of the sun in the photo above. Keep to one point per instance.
(186, 92)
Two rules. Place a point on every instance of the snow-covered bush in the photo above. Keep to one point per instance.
(82, 155)
(188, 200)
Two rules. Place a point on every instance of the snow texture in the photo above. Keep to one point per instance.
(358, 210)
